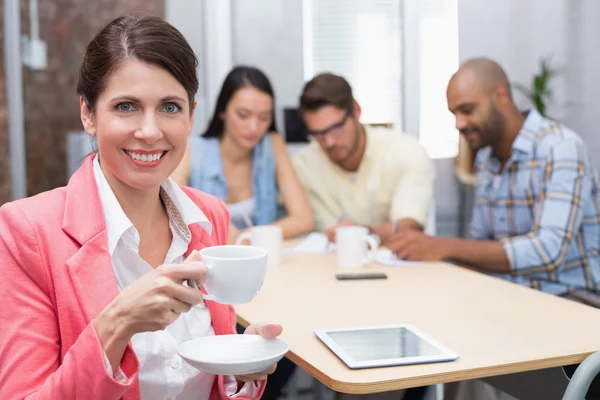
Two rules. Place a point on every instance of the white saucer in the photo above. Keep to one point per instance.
(232, 354)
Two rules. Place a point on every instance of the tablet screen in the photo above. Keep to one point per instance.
(383, 343)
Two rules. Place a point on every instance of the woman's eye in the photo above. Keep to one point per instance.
(124, 107)
(172, 108)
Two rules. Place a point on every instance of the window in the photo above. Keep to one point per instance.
(361, 41)
(438, 60)
(391, 51)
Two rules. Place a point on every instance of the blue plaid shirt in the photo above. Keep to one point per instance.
(543, 207)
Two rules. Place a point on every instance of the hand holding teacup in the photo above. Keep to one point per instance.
(235, 275)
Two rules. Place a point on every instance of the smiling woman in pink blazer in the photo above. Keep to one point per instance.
(91, 275)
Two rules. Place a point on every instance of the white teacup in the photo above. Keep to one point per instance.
(266, 237)
(235, 273)
(351, 246)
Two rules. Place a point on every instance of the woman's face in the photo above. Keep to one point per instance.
(142, 122)
(247, 117)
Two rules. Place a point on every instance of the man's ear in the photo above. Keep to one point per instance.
(502, 93)
(87, 117)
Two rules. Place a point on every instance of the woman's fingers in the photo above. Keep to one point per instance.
(185, 294)
(179, 306)
(179, 273)
(259, 376)
(171, 278)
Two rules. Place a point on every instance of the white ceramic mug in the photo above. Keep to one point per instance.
(351, 246)
(235, 273)
(266, 237)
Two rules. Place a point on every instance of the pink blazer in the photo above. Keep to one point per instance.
(56, 277)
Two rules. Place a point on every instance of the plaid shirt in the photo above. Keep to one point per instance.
(543, 207)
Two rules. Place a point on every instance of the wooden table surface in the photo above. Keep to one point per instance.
(496, 327)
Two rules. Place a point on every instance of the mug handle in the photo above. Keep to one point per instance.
(192, 283)
(244, 236)
(372, 243)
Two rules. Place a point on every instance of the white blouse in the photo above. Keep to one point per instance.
(163, 374)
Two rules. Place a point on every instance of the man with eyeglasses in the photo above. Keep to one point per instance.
(354, 174)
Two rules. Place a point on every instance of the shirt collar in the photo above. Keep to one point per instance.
(179, 206)
(190, 212)
(369, 148)
(525, 141)
(523, 146)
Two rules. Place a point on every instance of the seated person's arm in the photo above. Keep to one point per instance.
(181, 175)
(567, 185)
(233, 235)
(323, 218)
(299, 217)
(412, 198)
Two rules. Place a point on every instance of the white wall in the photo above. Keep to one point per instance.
(268, 34)
(187, 15)
(516, 34)
(583, 74)
(207, 26)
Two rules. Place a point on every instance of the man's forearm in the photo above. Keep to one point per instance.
(385, 230)
(482, 255)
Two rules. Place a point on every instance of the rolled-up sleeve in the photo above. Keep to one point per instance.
(558, 216)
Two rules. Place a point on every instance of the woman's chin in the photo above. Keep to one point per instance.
(143, 182)
(248, 144)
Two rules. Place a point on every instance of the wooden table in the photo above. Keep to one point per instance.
(496, 327)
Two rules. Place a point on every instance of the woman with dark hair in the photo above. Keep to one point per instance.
(94, 300)
(241, 159)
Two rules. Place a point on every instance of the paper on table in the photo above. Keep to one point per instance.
(314, 242)
(386, 257)
(317, 243)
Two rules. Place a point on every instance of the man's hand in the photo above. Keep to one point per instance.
(413, 245)
(386, 230)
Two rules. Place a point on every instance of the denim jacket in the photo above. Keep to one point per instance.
(207, 174)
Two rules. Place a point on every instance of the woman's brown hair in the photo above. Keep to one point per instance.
(143, 37)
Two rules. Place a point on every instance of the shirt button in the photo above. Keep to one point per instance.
(175, 363)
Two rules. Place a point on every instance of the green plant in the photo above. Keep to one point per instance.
(540, 93)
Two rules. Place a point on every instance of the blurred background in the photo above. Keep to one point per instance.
(398, 56)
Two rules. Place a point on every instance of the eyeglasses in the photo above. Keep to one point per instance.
(335, 128)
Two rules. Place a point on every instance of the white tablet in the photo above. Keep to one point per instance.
(384, 346)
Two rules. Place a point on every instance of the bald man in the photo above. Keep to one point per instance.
(536, 218)
(537, 211)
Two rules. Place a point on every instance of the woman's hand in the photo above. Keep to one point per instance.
(268, 331)
(150, 304)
